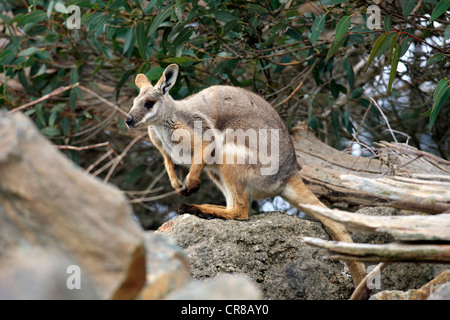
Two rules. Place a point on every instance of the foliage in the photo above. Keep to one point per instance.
(303, 58)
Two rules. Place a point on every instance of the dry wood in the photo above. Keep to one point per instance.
(391, 252)
(424, 194)
(405, 228)
(55, 92)
(323, 166)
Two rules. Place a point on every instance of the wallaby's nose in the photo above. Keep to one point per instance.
(129, 120)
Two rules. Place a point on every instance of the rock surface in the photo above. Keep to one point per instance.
(269, 249)
(168, 276)
(48, 203)
(436, 289)
(31, 273)
(167, 267)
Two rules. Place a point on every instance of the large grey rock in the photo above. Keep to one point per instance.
(269, 249)
(48, 203)
(32, 273)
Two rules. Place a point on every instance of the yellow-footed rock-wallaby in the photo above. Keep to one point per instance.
(237, 138)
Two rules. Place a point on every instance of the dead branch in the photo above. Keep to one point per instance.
(92, 146)
(405, 228)
(55, 92)
(324, 166)
(391, 252)
(362, 290)
(103, 100)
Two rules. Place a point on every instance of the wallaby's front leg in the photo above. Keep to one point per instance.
(171, 172)
(192, 183)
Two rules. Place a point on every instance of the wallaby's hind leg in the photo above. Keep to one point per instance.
(297, 193)
(237, 200)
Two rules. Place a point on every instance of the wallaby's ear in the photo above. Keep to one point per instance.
(168, 78)
(141, 81)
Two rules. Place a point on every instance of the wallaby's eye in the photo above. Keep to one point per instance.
(149, 104)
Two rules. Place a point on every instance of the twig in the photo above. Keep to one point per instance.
(92, 146)
(143, 192)
(158, 197)
(359, 126)
(150, 187)
(55, 92)
(103, 100)
(103, 157)
(361, 290)
(298, 87)
(117, 160)
(385, 118)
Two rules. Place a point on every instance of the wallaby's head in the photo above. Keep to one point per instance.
(153, 104)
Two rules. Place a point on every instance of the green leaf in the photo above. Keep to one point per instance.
(387, 23)
(159, 19)
(122, 81)
(392, 46)
(335, 47)
(129, 40)
(65, 126)
(73, 76)
(182, 38)
(331, 2)
(440, 8)
(436, 58)
(386, 44)
(32, 17)
(29, 51)
(447, 33)
(141, 39)
(356, 93)
(274, 33)
(408, 7)
(177, 60)
(394, 65)
(376, 48)
(405, 46)
(254, 8)
(50, 131)
(155, 73)
(342, 28)
(317, 28)
(224, 16)
(334, 89)
(441, 94)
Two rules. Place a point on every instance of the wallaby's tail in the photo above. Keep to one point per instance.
(297, 193)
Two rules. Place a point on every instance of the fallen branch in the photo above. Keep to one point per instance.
(408, 193)
(405, 228)
(391, 252)
(323, 166)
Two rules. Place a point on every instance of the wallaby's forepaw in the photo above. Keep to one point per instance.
(190, 187)
(176, 184)
(192, 209)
